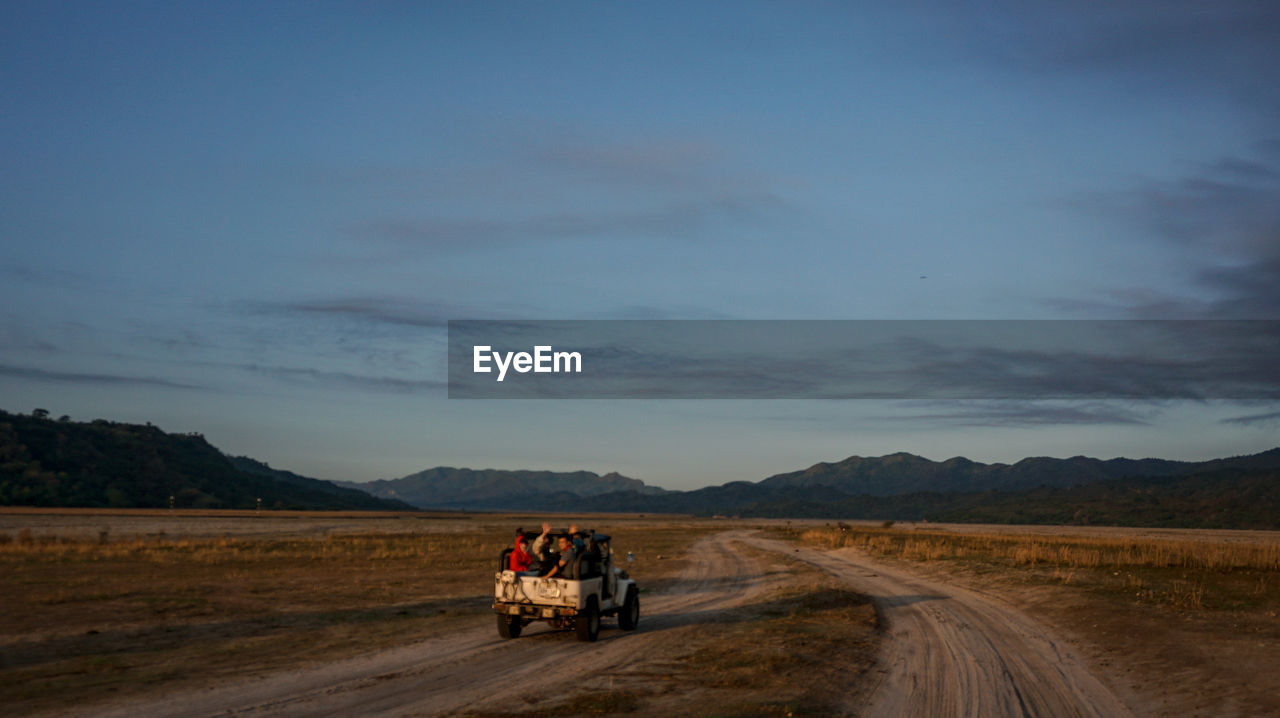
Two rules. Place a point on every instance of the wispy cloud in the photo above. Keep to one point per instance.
(1014, 360)
(1221, 205)
(328, 379)
(1013, 414)
(20, 335)
(378, 310)
(176, 341)
(550, 184)
(1221, 218)
(1224, 220)
(650, 311)
(1216, 49)
(1271, 417)
(655, 163)
(47, 276)
(679, 221)
(37, 374)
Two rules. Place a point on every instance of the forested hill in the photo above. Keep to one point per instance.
(44, 462)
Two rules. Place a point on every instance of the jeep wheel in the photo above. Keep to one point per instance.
(588, 622)
(509, 626)
(629, 616)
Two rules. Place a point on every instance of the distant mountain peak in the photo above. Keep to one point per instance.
(500, 489)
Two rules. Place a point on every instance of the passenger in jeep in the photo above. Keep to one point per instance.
(520, 558)
(567, 554)
(540, 551)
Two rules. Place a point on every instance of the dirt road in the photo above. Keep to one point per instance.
(474, 669)
(953, 652)
(949, 652)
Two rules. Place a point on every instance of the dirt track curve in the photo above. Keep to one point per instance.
(954, 652)
(950, 652)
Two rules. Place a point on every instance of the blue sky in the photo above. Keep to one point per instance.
(252, 220)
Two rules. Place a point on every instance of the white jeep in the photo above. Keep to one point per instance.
(589, 588)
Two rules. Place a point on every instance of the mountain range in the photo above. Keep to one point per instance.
(494, 489)
(44, 462)
(904, 473)
(1239, 492)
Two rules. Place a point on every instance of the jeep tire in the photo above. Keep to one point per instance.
(629, 616)
(588, 621)
(509, 626)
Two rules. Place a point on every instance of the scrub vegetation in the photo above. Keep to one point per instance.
(1189, 574)
(84, 616)
(90, 614)
(800, 652)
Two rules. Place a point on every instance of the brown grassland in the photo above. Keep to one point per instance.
(105, 605)
(802, 651)
(99, 604)
(1189, 573)
(92, 611)
(1180, 622)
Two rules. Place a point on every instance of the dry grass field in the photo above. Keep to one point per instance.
(103, 605)
(1181, 622)
(802, 652)
(1191, 573)
(98, 603)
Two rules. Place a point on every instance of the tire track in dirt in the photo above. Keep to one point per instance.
(472, 668)
(954, 652)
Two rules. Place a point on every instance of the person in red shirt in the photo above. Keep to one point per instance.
(520, 558)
